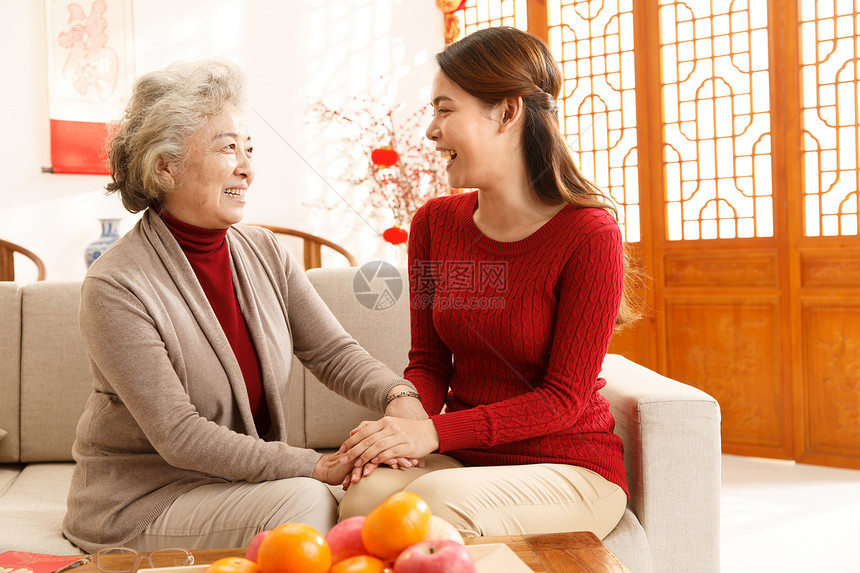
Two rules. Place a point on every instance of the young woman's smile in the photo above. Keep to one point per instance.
(466, 132)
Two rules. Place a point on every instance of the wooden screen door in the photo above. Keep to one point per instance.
(728, 131)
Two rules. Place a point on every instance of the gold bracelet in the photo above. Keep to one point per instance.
(403, 394)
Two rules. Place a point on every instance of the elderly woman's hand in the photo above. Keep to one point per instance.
(369, 468)
(331, 470)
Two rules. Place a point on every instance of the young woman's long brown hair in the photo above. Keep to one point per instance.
(495, 63)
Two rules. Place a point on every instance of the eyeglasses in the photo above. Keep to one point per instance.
(126, 560)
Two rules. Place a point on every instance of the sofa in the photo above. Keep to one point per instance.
(671, 431)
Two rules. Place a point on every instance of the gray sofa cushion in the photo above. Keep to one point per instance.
(389, 343)
(629, 543)
(34, 504)
(52, 395)
(10, 372)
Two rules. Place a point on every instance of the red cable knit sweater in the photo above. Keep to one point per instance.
(518, 331)
(207, 252)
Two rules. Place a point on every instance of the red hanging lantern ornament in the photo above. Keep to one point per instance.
(395, 235)
(384, 156)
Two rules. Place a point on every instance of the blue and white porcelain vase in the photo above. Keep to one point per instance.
(110, 234)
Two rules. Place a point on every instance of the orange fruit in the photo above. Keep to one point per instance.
(233, 565)
(360, 564)
(294, 548)
(398, 522)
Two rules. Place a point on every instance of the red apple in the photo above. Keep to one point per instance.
(344, 539)
(441, 528)
(254, 546)
(435, 556)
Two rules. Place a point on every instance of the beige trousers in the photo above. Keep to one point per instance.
(498, 500)
(229, 515)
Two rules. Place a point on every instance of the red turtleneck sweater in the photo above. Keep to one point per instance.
(206, 250)
(510, 337)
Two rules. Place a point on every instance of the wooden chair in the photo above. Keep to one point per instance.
(7, 261)
(312, 246)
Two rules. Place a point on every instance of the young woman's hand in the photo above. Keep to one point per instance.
(405, 406)
(389, 439)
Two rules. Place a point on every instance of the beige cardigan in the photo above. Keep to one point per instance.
(169, 410)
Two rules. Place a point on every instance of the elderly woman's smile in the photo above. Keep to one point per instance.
(239, 193)
(213, 185)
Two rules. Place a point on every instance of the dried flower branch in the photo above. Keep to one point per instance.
(395, 164)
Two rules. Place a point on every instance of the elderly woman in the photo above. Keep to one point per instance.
(190, 322)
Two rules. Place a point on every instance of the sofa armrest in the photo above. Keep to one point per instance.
(671, 435)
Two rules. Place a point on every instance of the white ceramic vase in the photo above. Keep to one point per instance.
(110, 234)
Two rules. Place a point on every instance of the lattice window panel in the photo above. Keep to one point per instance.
(716, 106)
(830, 85)
(593, 42)
(478, 14)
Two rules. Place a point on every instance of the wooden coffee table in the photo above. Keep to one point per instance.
(549, 553)
(560, 552)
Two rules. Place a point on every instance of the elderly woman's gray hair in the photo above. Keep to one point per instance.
(165, 109)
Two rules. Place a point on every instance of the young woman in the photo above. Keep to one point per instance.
(515, 291)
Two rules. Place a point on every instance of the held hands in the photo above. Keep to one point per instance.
(402, 403)
(404, 407)
(391, 440)
(373, 443)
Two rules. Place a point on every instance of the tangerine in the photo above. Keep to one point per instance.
(360, 564)
(294, 548)
(398, 522)
(233, 565)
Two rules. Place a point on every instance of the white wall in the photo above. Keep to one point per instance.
(292, 51)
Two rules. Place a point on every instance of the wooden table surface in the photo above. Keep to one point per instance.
(560, 552)
(550, 553)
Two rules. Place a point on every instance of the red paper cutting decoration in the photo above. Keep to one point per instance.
(452, 28)
(395, 235)
(90, 62)
(452, 21)
(384, 156)
(448, 6)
